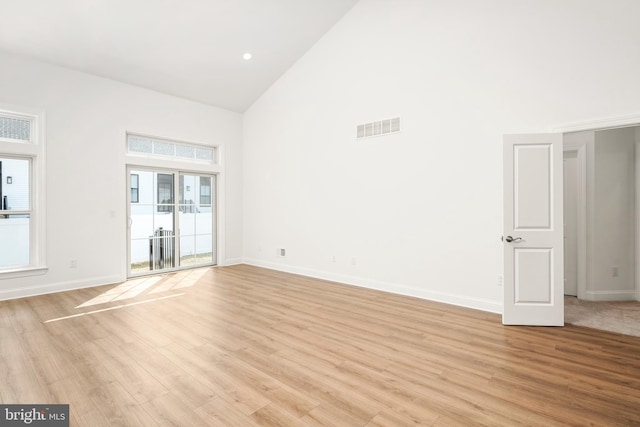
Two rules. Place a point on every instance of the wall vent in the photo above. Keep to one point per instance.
(382, 127)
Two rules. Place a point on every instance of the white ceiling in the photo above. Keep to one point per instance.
(188, 48)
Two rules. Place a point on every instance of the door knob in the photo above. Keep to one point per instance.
(510, 239)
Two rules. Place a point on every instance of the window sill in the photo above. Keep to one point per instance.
(23, 272)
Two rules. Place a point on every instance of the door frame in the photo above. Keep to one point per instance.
(594, 126)
(580, 148)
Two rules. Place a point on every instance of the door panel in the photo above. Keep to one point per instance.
(151, 231)
(196, 219)
(533, 248)
(532, 278)
(532, 193)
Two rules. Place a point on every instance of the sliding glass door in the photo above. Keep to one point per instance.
(168, 232)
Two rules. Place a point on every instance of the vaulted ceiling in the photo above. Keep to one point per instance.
(187, 48)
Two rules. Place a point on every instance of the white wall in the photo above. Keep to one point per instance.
(86, 119)
(420, 212)
(613, 237)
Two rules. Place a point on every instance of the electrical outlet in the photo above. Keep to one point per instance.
(73, 263)
(333, 258)
(282, 252)
(500, 280)
(615, 271)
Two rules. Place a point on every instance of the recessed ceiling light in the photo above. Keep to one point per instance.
(246, 56)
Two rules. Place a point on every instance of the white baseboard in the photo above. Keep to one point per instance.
(459, 300)
(6, 294)
(611, 296)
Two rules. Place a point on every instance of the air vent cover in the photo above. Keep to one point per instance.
(381, 127)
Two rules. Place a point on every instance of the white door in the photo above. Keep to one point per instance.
(533, 230)
(570, 172)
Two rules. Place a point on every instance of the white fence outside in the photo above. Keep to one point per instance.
(14, 234)
(196, 233)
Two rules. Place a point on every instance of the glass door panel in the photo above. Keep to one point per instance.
(151, 210)
(196, 219)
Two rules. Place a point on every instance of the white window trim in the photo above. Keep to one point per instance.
(36, 152)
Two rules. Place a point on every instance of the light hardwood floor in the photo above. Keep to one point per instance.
(244, 346)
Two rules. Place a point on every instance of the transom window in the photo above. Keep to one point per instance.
(15, 127)
(156, 147)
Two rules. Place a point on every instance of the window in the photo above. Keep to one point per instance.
(16, 212)
(22, 246)
(135, 188)
(16, 127)
(205, 190)
(165, 192)
(156, 147)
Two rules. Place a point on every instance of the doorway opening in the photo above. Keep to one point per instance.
(600, 213)
(606, 266)
(601, 170)
(172, 220)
